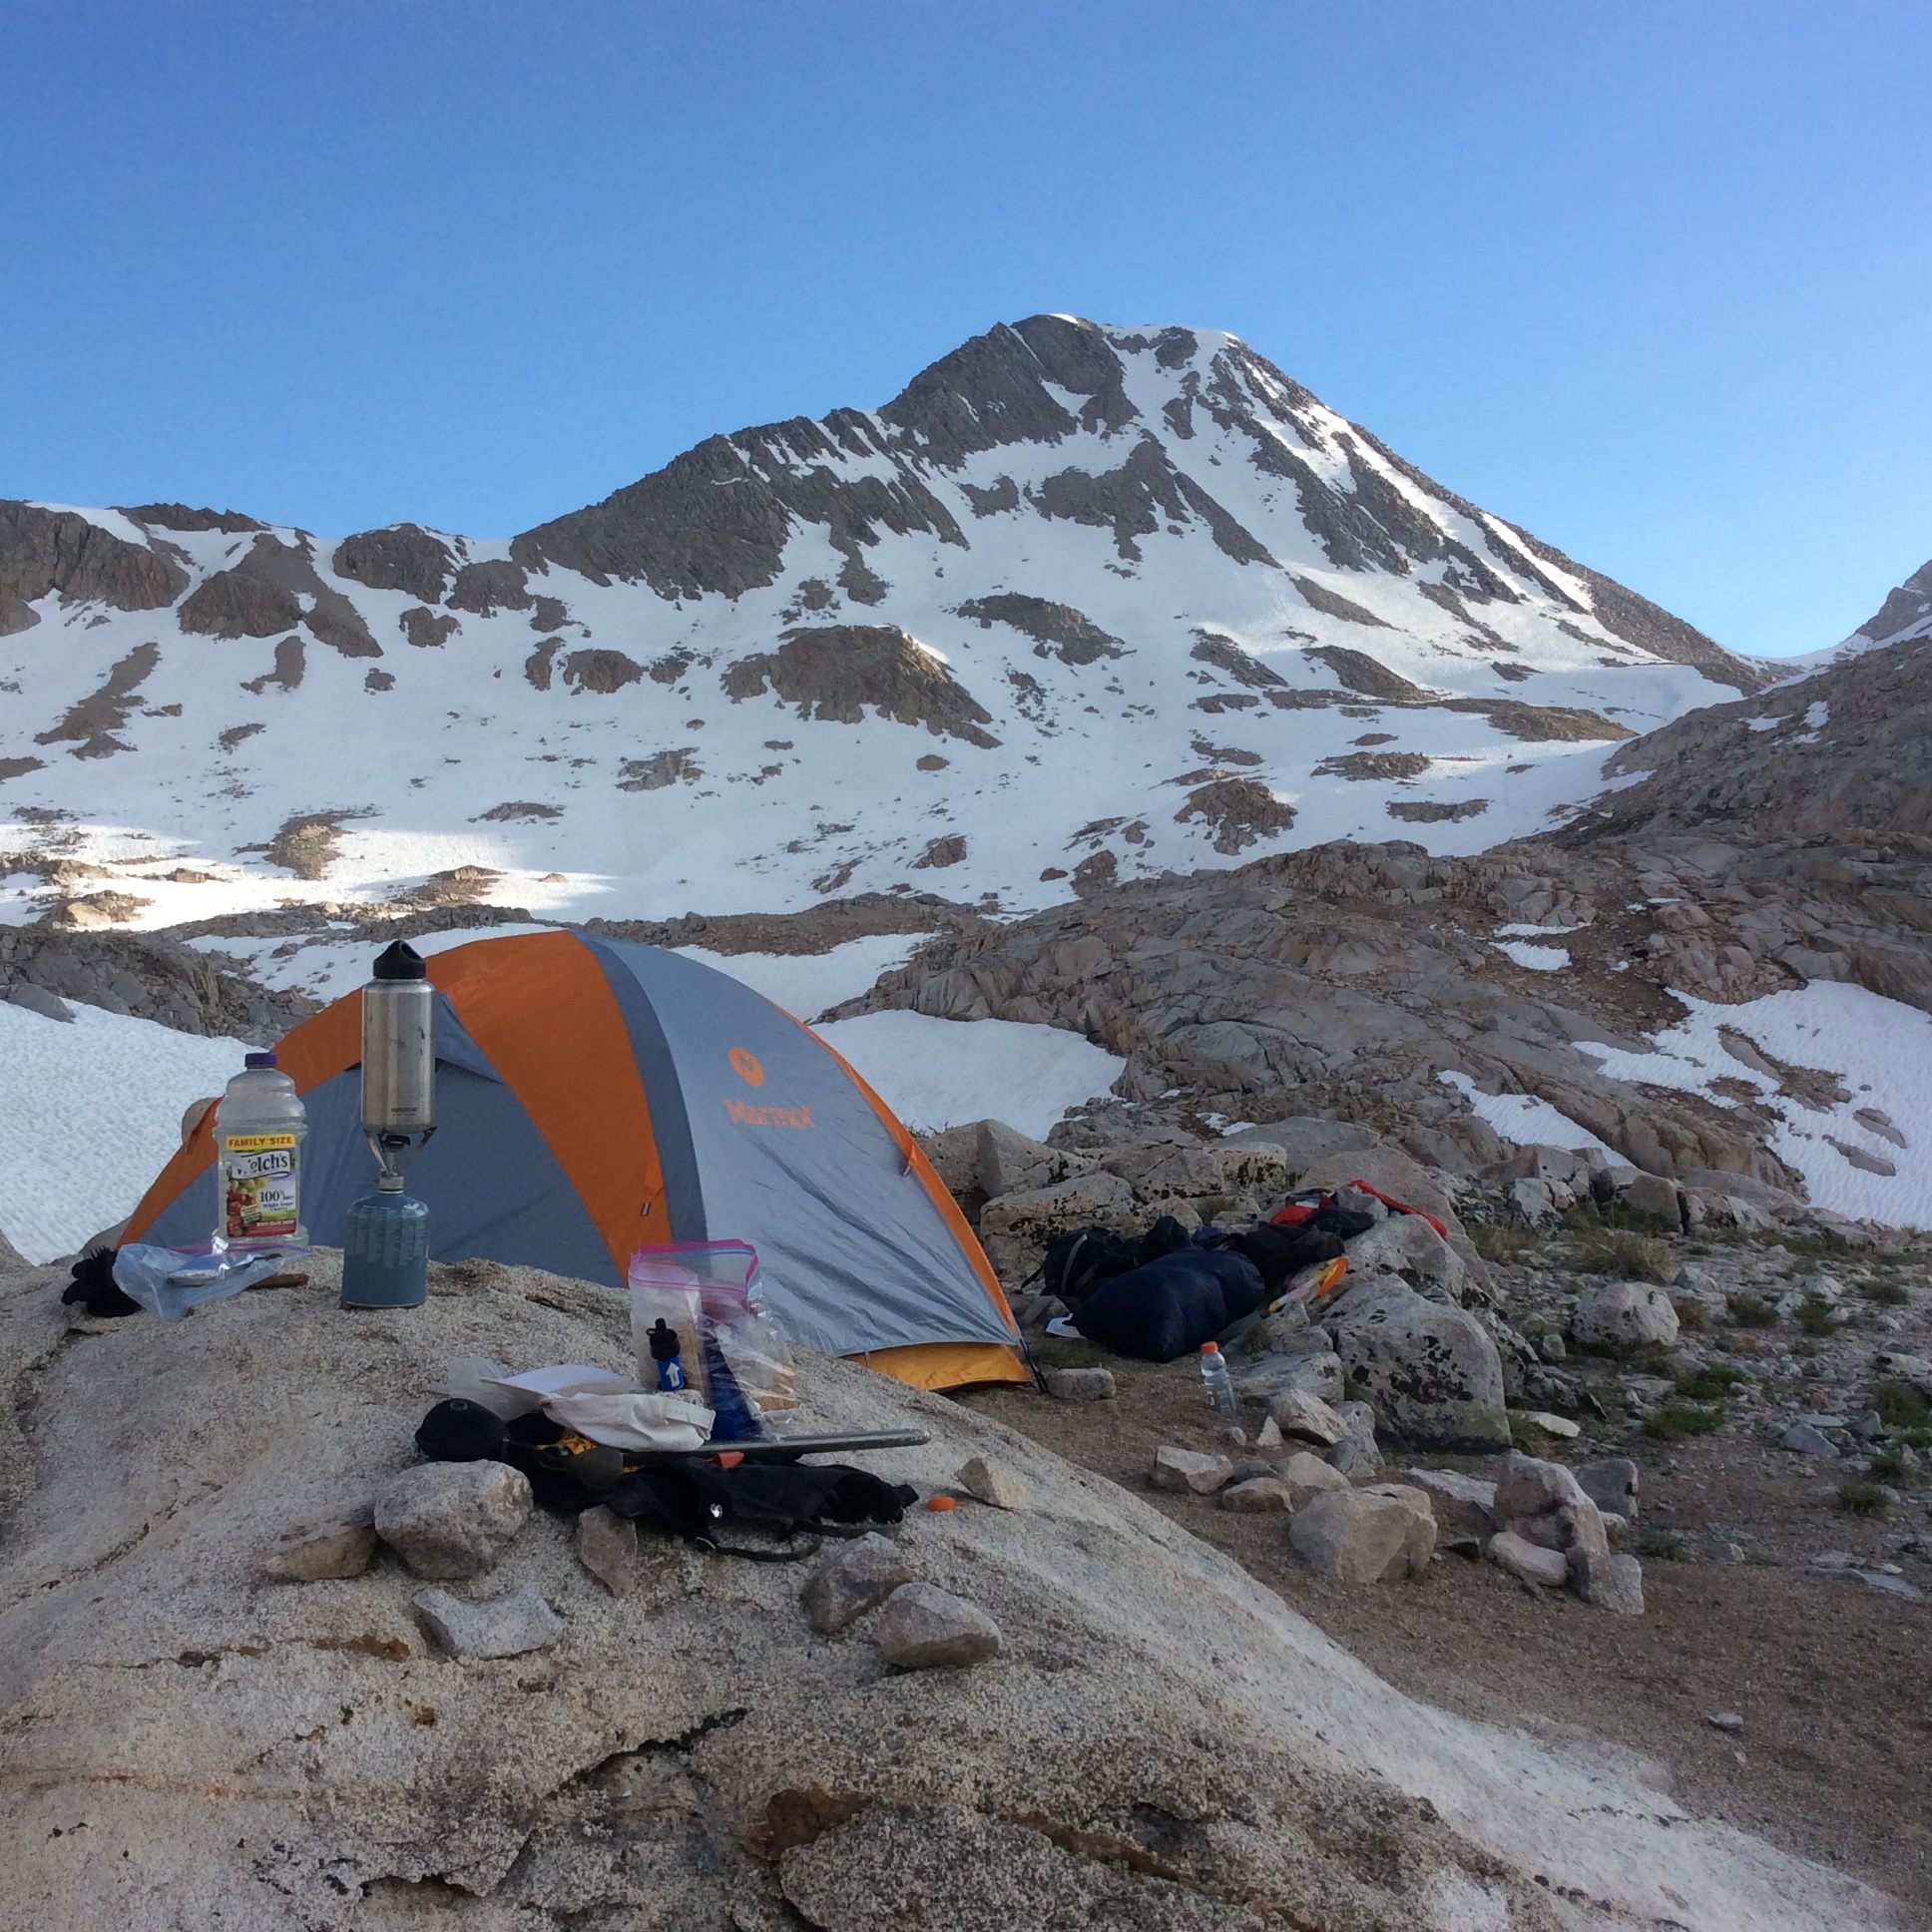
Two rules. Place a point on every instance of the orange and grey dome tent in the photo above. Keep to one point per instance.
(595, 1096)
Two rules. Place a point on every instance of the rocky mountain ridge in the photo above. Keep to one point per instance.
(1080, 603)
(1756, 850)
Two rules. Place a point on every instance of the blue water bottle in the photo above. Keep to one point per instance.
(385, 1250)
(666, 1348)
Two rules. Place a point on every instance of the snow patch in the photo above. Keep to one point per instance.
(1880, 1048)
(943, 1073)
(806, 984)
(1526, 1121)
(1539, 959)
(107, 1093)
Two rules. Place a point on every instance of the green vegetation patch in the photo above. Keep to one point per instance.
(1677, 1421)
(1505, 1241)
(1863, 1498)
(1710, 1384)
(1625, 1255)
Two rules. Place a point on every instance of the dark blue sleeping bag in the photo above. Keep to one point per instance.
(1169, 1307)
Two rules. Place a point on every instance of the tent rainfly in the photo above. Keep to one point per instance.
(595, 1096)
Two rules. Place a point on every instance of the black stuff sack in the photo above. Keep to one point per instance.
(1169, 1307)
(701, 1502)
(1165, 1236)
(1279, 1253)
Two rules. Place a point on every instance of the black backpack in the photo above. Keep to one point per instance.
(1076, 1264)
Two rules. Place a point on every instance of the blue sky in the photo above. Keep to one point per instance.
(1653, 280)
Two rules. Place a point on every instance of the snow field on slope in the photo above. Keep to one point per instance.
(463, 732)
(96, 1112)
(943, 1073)
(1539, 959)
(1525, 1120)
(1880, 1048)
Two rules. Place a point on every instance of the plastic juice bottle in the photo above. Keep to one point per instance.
(260, 1127)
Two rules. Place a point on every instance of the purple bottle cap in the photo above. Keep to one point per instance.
(259, 1060)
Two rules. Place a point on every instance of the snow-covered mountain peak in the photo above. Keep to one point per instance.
(1079, 603)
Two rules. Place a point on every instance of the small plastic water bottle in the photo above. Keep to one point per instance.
(664, 1350)
(1214, 1376)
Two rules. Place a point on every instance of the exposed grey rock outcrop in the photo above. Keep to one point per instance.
(150, 975)
(263, 595)
(834, 671)
(1070, 635)
(404, 557)
(1850, 756)
(695, 1754)
(60, 550)
(1429, 1370)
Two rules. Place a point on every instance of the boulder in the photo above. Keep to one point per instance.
(1624, 1315)
(1529, 1487)
(1189, 1470)
(1298, 1414)
(856, 1576)
(1611, 1484)
(992, 1483)
(1806, 1439)
(1650, 1195)
(1260, 1495)
(37, 999)
(1357, 1454)
(1464, 1505)
(1305, 1140)
(954, 1154)
(1779, 1204)
(1608, 1581)
(508, 1626)
(1543, 1502)
(1016, 1228)
(1317, 1372)
(1389, 1171)
(1562, 1174)
(1533, 1201)
(1406, 1245)
(1007, 1163)
(280, 1757)
(453, 1519)
(1218, 1168)
(1306, 1476)
(1430, 1371)
(1080, 1384)
(924, 1627)
(1364, 1535)
(1528, 1561)
(1420, 1546)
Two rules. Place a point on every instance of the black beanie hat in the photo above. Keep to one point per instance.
(459, 1431)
